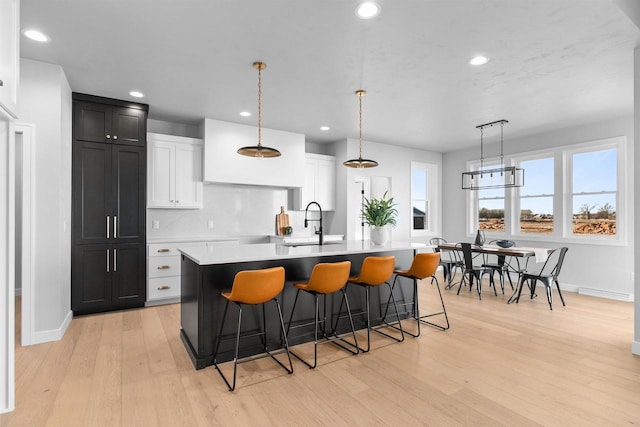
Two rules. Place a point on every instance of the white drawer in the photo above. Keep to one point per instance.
(163, 287)
(163, 249)
(164, 266)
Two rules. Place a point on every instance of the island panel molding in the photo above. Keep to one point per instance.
(205, 272)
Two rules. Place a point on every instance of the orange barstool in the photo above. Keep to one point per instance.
(376, 271)
(254, 287)
(326, 278)
(422, 267)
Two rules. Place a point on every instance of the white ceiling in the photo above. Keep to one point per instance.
(553, 64)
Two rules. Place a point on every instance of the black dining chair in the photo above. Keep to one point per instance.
(450, 261)
(496, 264)
(472, 271)
(548, 275)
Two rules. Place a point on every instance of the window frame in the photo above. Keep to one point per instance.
(619, 144)
(562, 197)
(432, 199)
(473, 200)
(517, 196)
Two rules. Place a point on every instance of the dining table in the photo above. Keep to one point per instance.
(519, 255)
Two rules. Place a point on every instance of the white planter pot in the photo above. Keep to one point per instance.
(379, 235)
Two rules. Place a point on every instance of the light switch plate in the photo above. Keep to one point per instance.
(210, 223)
(155, 224)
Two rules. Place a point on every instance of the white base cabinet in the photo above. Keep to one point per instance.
(174, 172)
(163, 269)
(319, 183)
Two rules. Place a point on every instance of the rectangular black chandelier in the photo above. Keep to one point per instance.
(504, 177)
(500, 177)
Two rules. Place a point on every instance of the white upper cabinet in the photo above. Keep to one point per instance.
(174, 172)
(222, 163)
(319, 183)
(9, 55)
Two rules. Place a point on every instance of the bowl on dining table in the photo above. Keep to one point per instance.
(505, 243)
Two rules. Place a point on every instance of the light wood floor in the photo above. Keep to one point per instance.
(498, 365)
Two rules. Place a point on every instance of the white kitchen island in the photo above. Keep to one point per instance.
(206, 271)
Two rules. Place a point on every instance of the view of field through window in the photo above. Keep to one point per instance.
(593, 196)
(595, 185)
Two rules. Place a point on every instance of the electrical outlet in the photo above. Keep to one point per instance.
(210, 224)
(632, 276)
(155, 224)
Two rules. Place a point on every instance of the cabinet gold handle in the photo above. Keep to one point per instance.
(115, 260)
(163, 287)
(164, 250)
(115, 227)
(107, 260)
(164, 267)
(107, 226)
(108, 136)
(115, 136)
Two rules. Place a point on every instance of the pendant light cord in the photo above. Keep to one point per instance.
(501, 146)
(360, 121)
(259, 106)
(481, 150)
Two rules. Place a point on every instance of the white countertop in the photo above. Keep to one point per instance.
(270, 251)
(154, 240)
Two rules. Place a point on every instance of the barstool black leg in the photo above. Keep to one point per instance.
(420, 319)
(286, 341)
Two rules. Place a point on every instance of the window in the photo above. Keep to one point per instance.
(594, 182)
(419, 199)
(491, 205)
(572, 192)
(536, 196)
(423, 189)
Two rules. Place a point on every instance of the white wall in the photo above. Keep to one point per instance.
(176, 129)
(7, 327)
(393, 162)
(45, 102)
(599, 267)
(636, 205)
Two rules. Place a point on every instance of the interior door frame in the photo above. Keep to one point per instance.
(27, 133)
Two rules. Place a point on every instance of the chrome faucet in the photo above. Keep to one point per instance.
(306, 221)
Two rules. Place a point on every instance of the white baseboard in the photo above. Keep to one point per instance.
(603, 293)
(635, 347)
(40, 337)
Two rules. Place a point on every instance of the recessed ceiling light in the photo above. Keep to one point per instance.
(136, 94)
(245, 114)
(324, 128)
(367, 10)
(36, 35)
(479, 60)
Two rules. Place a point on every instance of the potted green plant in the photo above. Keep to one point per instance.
(378, 213)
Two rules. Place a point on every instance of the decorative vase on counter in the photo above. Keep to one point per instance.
(479, 238)
(379, 235)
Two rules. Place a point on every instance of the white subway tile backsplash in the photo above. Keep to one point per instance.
(233, 210)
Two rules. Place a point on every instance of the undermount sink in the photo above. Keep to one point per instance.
(294, 244)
